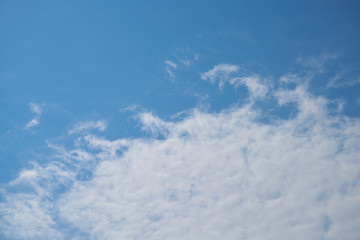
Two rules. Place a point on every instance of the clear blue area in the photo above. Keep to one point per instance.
(87, 60)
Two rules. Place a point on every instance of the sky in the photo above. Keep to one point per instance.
(180, 119)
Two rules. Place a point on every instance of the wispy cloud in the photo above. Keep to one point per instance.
(317, 63)
(88, 125)
(153, 124)
(130, 108)
(183, 57)
(229, 73)
(224, 175)
(186, 56)
(254, 85)
(170, 67)
(221, 73)
(344, 78)
(36, 109)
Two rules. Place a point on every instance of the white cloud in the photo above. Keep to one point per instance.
(153, 124)
(171, 64)
(220, 175)
(228, 73)
(343, 78)
(254, 85)
(183, 57)
(221, 73)
(317, 63)
(29, 217)
(36, 109)
(84, 126)
(32, 123)
(186, 56)
(130, 108)
(170, 67)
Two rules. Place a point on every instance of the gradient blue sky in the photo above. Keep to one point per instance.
(76, 67)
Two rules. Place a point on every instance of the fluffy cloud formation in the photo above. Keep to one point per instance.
(36, 109)
(225, 175)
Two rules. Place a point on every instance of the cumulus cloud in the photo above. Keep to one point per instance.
(225, 175)
(85, 126)
(36, 109)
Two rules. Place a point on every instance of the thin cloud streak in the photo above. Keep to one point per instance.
(85, 126)
(170, 68)
(36, 109)
(344, 78)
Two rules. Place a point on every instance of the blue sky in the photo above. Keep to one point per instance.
(117, 95)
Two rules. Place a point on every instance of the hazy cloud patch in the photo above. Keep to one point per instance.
(317, 63)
